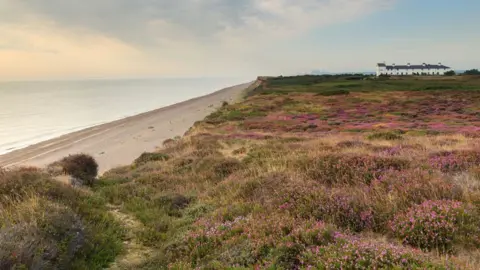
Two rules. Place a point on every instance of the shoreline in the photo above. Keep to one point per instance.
(125, 139)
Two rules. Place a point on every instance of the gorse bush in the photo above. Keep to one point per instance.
(436, 225)
(82, 167)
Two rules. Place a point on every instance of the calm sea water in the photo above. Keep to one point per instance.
(31, 112)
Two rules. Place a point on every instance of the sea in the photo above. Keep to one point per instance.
(32, 112)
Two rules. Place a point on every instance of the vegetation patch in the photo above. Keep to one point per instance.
(455, 161)
(437, 225)
(389, 136)
(83, 168)
(350, 169)
(50, 225)
(149, 157)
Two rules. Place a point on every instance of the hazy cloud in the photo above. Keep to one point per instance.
(144, 21)
(175, 30)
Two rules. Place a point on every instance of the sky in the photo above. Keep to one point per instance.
(71, 39)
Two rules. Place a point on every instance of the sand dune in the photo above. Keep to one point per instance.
(120, 142)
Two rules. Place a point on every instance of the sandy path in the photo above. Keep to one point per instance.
(120, 142)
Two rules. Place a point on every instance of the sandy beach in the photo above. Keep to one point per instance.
(120, 142)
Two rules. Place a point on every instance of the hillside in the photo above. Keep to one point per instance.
(307, 172)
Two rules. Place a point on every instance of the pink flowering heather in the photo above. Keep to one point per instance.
(455, 161)
(413, 186)
(433, 224)
(393, 151)
(350, 252)
(347, 211)
(352, 169)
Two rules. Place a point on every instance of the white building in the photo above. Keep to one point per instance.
(423, 69)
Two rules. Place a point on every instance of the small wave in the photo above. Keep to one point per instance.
(20, 144)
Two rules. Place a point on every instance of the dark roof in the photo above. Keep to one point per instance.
(427, 66)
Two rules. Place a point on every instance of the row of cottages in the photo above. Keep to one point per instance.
(423, 69)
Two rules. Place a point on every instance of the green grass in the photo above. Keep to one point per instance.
(385, 136)
(74, 227)
(322, 83)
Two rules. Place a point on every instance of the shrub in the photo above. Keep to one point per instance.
(55, 169)
(351, 144)
(19, 183)
(345, 209)
(150, 157)
(437, 225)
(82, 167)
(475, 172)
(349, 252)
(45, 224)
(231, 114)
(168, 142)
(240, 151)
(288, 256)
(472, 72)
(266, 190)
(350, 169)
(389, 136)
(280, 235)
(40, 234)
(454, 161)
(212, 168)
(227, 167)
(225, 104)
(450, 73)
(172, 203)
(333, 92)
(395, 192)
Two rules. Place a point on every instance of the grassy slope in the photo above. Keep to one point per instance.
(45, 224)
(313, 171)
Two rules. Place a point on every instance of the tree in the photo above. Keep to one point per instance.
(450, 73)
(472, 72)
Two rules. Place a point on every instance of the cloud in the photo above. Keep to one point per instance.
(166, 31)
(131, 21)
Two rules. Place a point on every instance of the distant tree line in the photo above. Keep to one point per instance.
(472, 72)
(314, 79)
(466, 72)
(450, 73)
